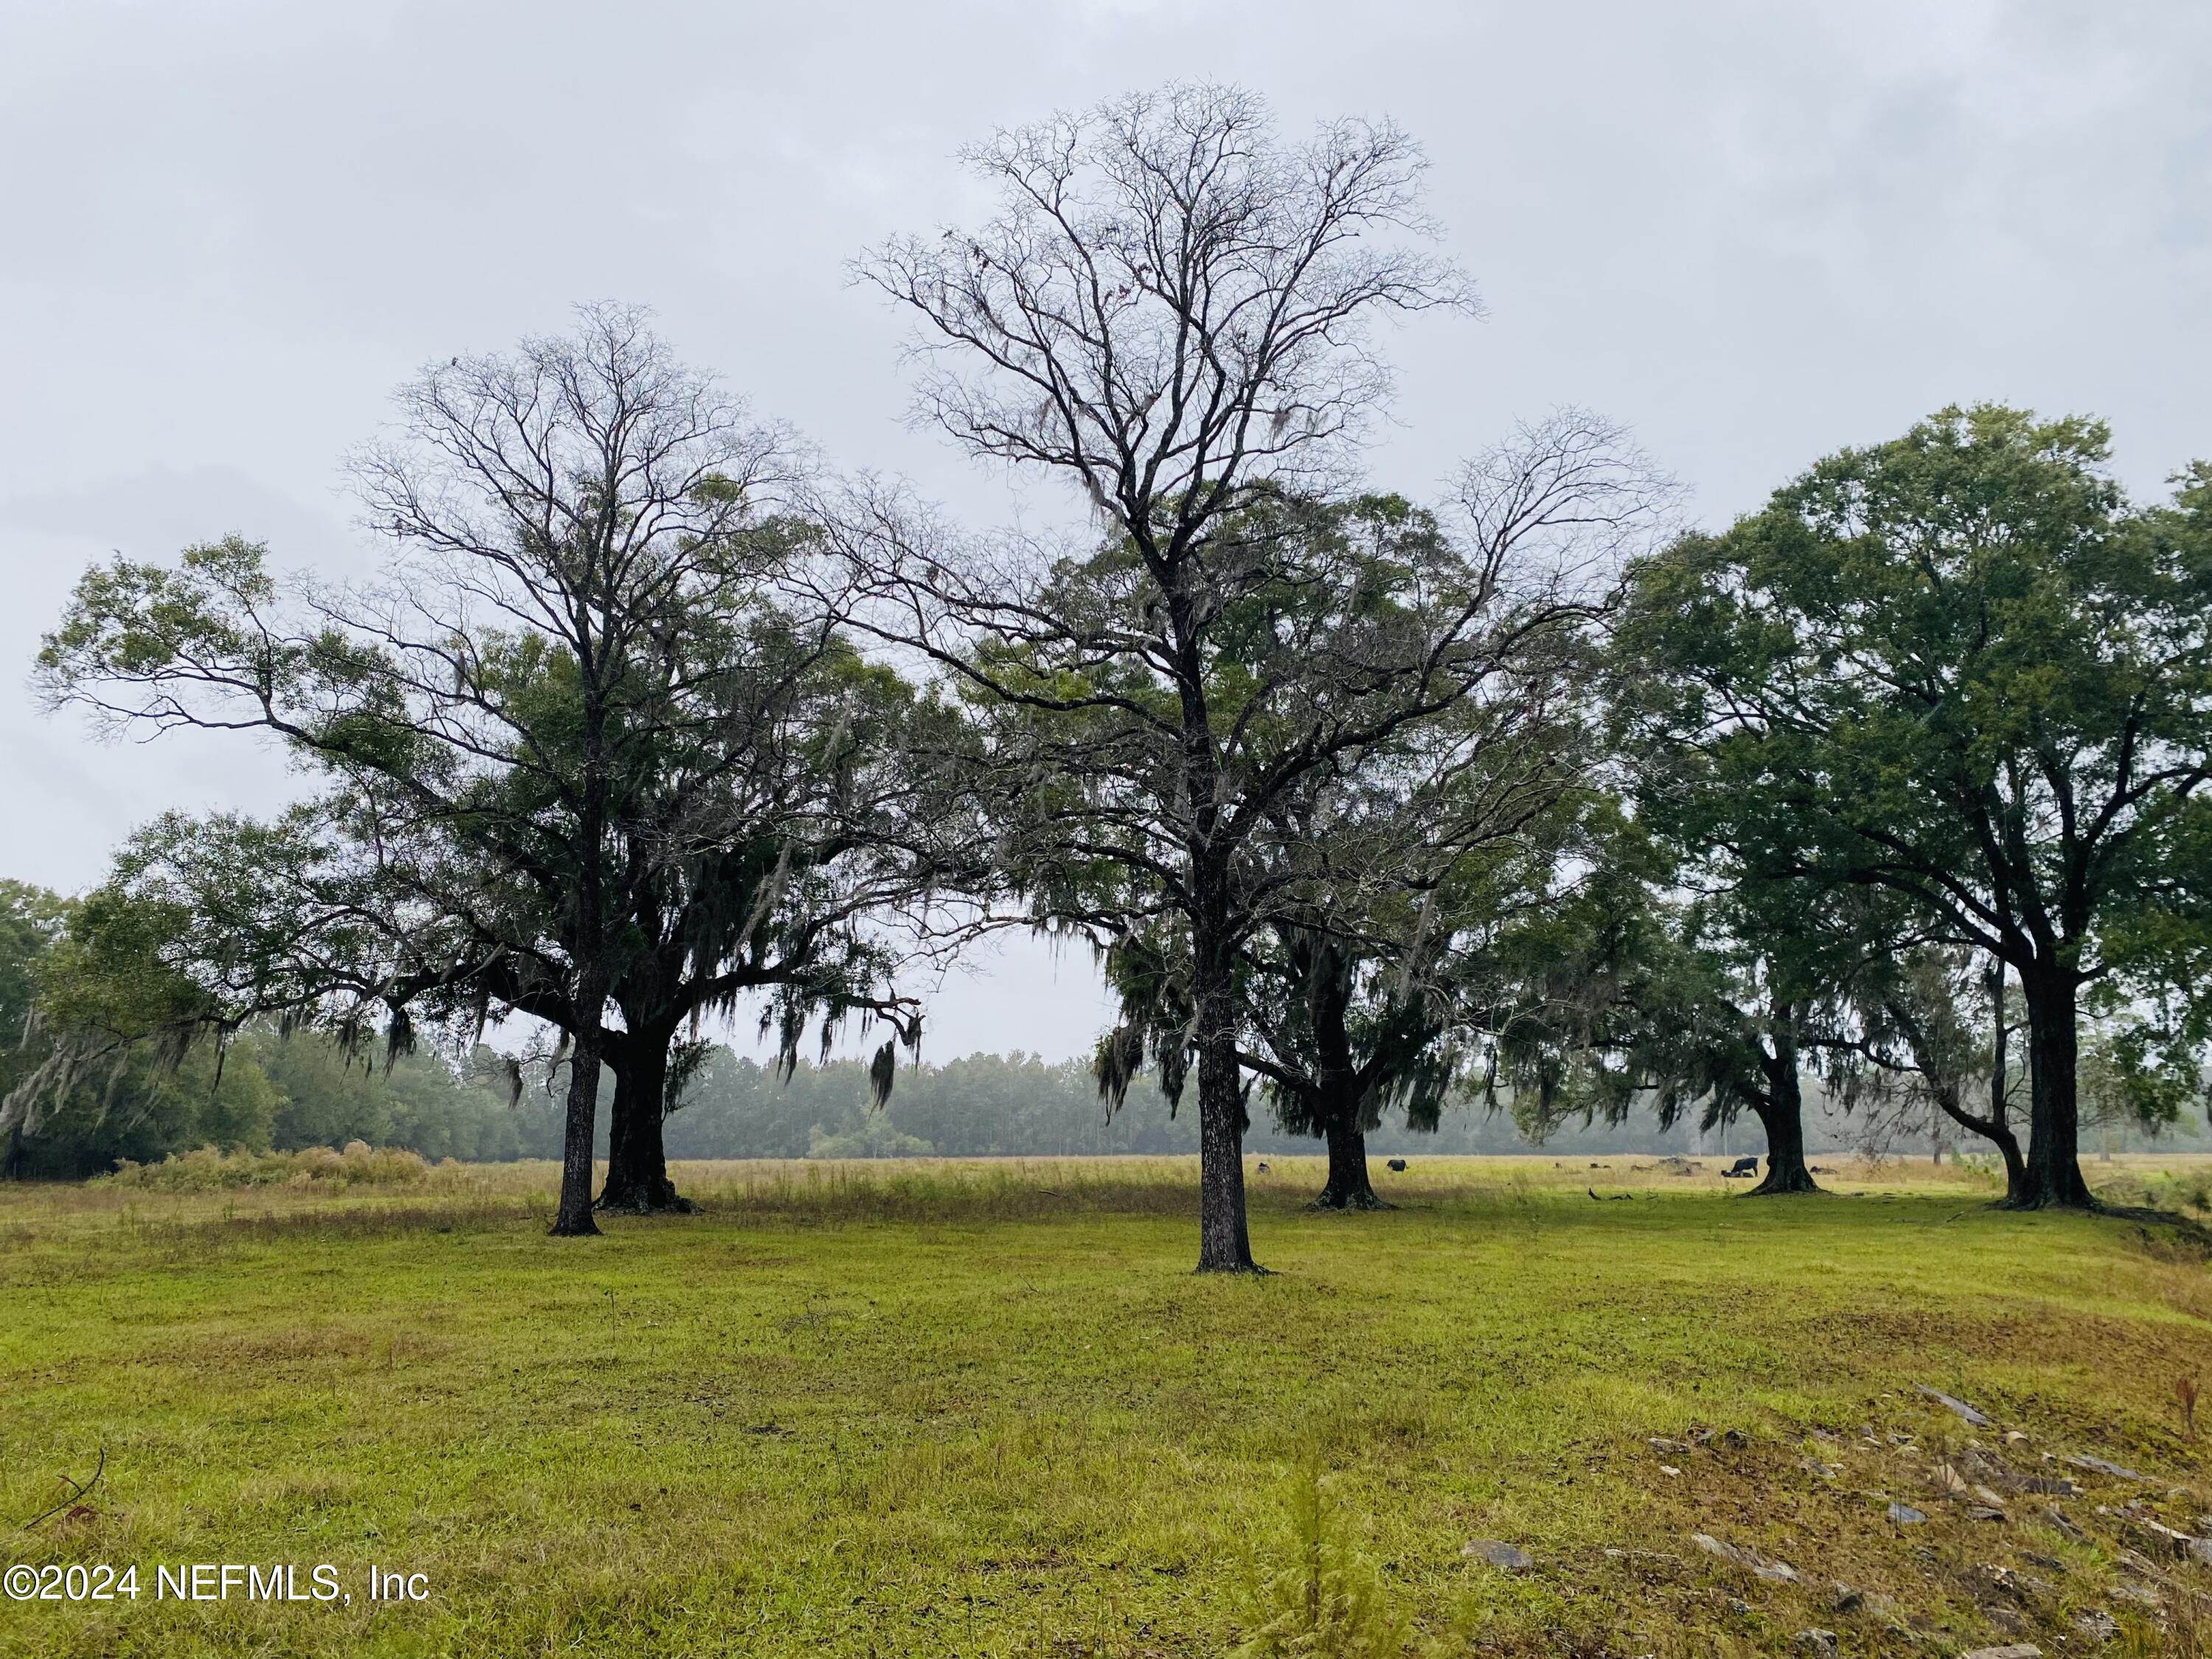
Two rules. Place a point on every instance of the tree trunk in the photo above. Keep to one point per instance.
(1328, 992)
(2007, 1146)
(1224, 1246)
(1785, 1155)
(1783, 1116)
(637, 1161)
(1348, 1187)
(1999, 1134)
(1945, 1089)
(594, 970)
(573, 1218)
(2051, 1178)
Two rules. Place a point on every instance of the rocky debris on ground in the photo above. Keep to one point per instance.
(1976, 1481)
(2012, 1583)
(1668, 1469)
(2000, 1596)
(1985, 1467)
(1849, 1598)
(2160, 1539)
(1498, 1554)
(2101, 1465)
(1742, 1555)
(2056, 1520)
(1956, 1407)
(2139, 1564)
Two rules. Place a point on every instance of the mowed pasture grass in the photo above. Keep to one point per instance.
(985, 1408)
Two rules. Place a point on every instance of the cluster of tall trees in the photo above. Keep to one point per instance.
(1528, 794)
(143, 1101)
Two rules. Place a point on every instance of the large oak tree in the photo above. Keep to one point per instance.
(1373, 885)
(1962, 668)
(574, 527)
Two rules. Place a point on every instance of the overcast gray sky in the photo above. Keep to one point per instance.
(1753, 232)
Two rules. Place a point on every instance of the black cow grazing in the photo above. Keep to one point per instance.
(1744, 1166)
(1398, 1164)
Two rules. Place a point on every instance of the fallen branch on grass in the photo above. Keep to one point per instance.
(77, 1494)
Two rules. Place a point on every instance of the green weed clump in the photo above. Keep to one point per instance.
(313, 1168)
(1321, 1596)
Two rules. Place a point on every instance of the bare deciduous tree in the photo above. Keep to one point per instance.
(1172, 309)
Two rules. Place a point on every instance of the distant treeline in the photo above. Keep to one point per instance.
(263, 1091)
(1019, 1105)
(285, 1094)
(266, 1093)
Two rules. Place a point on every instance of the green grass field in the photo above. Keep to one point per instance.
(986, 1409)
